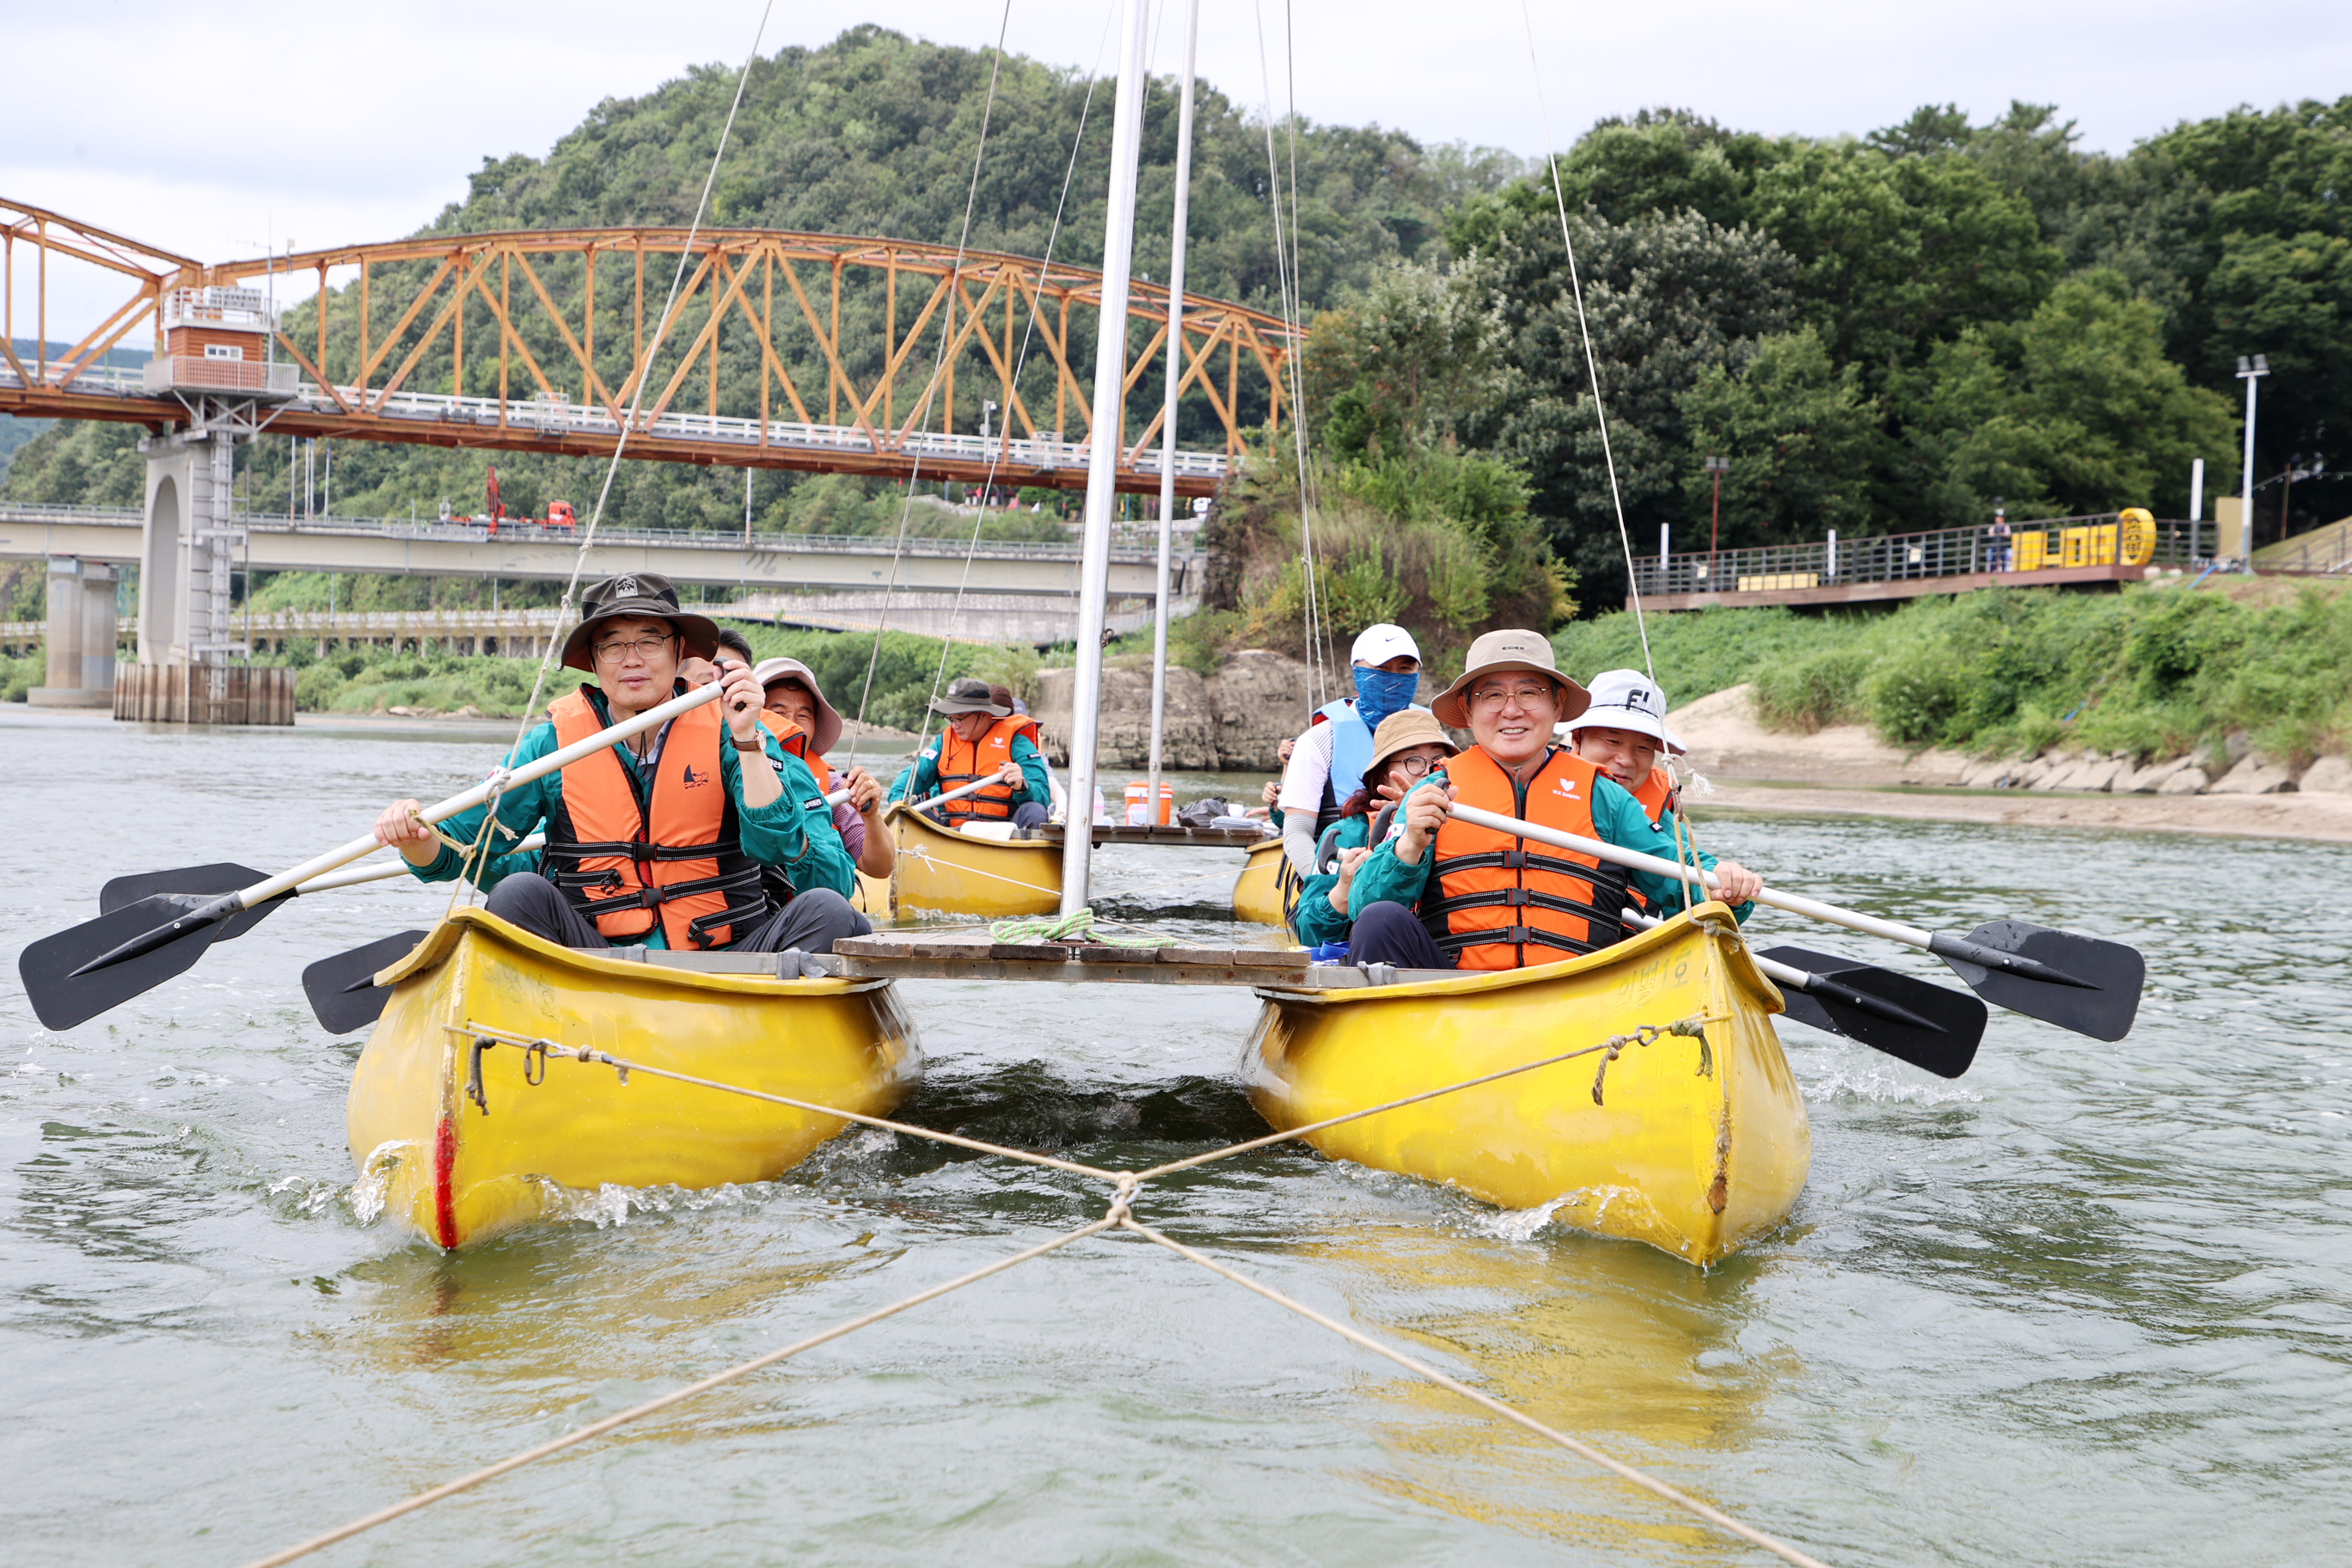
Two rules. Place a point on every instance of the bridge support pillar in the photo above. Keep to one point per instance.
(189, 548)
(81, 640)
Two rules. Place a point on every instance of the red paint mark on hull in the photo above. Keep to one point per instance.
(444, 1169)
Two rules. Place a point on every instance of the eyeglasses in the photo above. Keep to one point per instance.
(1415, 767)
(1526, 694)
(617, 651)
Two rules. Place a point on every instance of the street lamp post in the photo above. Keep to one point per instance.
(1718, 467)
(2249, 371)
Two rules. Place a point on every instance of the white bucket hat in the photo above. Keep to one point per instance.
(1627, 700)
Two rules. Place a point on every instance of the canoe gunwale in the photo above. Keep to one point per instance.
(443, 938)
(1715, 919)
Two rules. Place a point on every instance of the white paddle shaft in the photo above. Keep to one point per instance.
(1852, 920)
(554, 762)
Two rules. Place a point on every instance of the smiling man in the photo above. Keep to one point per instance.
(658, 840)
(1439, 893)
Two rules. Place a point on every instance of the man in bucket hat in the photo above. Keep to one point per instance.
(1439, 893)
(658, 840)
(983, 738)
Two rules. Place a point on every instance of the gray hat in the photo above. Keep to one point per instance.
(965, 695)
(644, 594)
(769, 671)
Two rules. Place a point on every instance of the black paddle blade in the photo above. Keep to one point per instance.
(2062, 977)
(1910, 1020)
(61, 998)
(342, 989)
(206, 881)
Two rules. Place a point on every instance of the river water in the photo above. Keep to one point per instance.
(2089, 1305)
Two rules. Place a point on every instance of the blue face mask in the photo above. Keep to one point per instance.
(1380, 692)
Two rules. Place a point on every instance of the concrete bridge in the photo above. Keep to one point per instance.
(400, 547)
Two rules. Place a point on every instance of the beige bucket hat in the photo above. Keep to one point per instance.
(1497, 653)
(1402, 732)
(769, 671)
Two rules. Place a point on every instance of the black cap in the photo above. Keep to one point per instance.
(966, 695)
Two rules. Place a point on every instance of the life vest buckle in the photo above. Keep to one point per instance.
(1515, 898)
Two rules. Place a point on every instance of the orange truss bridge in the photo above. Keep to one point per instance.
(782, 350)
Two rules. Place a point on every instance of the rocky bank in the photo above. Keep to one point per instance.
(1231, 721)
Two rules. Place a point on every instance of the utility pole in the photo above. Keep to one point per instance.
(1718, 467)
(2250, 372)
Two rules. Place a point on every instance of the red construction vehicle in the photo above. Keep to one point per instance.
(559, 513)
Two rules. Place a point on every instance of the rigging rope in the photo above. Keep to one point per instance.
(1584, 329)
(1020, 364)
(947, 322)
(1286, 283)
(1118, 1215)
(478, 861)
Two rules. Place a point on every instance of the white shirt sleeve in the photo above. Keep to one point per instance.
(1309, 771)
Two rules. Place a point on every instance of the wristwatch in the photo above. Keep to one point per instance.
(754, 744)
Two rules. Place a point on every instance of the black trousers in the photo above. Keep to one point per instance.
(811, 922)
(1389, 932)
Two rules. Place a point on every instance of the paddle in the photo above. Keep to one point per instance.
(1910, 1020)
(2076, 981)
(76, 974)
(228, 876)
(342, 989)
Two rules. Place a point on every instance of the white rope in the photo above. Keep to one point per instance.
(1584, 329)
(556, 631)
(1020, 364)
(1288, 289)
(1125, 1186)
(946, 321)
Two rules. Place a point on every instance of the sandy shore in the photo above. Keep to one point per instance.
(1848, 771)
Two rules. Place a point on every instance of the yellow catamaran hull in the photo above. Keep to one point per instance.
(957, 873)
(1258, 891)
(1696, 1147)
(457, 1170)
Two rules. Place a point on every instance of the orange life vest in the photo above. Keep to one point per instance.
(1656, 792)
(961, 762)
(1495, 904)
(789, 735)
(620, 859)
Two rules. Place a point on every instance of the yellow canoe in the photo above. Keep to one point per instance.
(957, 873)
(1694, 1146)
(1265, 883)
(458, 1169)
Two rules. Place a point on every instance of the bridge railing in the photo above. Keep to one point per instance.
(1131, 542)
(1892, 557)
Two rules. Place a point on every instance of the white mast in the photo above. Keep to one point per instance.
(1168, 413)
(1102, 468)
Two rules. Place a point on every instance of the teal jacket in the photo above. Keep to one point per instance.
(1617, 816)
(923, 779)
(793, 832)
(1317, 921)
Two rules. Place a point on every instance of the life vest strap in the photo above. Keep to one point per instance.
(643, 850)
(1454, 942)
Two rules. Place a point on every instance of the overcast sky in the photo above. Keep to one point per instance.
(204, 129)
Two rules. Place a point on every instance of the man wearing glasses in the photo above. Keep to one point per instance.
(658, 840)
(1438, 893)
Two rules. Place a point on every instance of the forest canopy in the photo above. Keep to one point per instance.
(1883, 332)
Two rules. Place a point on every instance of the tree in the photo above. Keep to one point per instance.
(1407, 362)
(1803, 439)
(1898, 253)
(2075, 410)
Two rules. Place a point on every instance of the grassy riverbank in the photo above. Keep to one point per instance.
(2155, 671)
